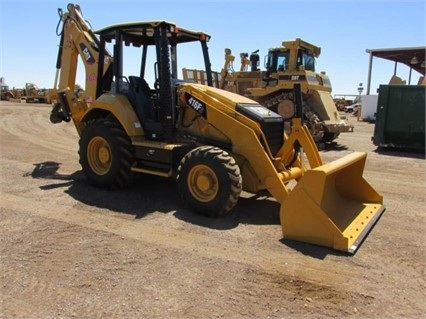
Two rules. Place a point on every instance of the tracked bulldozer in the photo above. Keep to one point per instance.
(5, 93)
(287, 65)
(214, 143)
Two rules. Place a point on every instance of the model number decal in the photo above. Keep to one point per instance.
(196, 104)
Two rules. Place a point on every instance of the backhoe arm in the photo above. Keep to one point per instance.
(77, 39)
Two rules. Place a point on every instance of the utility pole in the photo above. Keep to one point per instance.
(360, 89)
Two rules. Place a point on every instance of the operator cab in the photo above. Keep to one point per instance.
(154, 106)
(305, 57)
(277, 61)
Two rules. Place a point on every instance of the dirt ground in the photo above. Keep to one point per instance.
(69, 250)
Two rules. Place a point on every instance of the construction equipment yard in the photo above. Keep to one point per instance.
(70, 250)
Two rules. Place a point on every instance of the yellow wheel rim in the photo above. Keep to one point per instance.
(203, 183)
(99, 155)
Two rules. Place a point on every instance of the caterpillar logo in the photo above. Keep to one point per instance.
(86, 52)
(196, 104)
(292, 77)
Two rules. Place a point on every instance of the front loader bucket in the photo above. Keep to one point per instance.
(332, 205)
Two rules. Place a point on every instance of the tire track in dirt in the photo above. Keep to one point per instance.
(41, 270)
(271, 261)
(34, 127)
(256, 275)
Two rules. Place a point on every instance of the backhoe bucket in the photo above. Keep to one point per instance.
(332, 205)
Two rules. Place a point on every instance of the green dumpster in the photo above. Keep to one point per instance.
(400, 117)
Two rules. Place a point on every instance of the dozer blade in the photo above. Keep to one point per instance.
(332, 205)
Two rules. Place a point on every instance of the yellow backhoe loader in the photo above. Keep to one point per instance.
(213, 142)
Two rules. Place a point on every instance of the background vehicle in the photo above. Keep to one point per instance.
(213, 142)
(352, 108)
(31, 93)
(291, 63)
(341, 103)
(5, 92)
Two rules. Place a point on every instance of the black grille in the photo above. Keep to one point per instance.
(271, 123)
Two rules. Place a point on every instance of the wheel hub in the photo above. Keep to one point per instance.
(99, 155)
(104, 155)
(203, 183)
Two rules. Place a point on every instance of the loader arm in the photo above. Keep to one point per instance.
(77, 39)
(331, 205)
(246, 137)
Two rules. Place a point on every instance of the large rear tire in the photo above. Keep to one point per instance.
(209, 181)
(105, 154)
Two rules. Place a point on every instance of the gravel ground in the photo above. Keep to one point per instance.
(69, 250)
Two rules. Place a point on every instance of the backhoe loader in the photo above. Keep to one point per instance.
(214, 143)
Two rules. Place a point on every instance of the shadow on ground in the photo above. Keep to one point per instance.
(149, 194)
(334, 146)
(314, 251)
(401, 152)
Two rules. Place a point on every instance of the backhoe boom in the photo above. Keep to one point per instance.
(78, 40)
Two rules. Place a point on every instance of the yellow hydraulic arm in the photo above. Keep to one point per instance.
(77, 40)
(331, 205)
(229, 58)
(244, 62)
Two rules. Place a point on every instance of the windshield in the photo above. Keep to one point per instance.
(277, 61)
(306, 58)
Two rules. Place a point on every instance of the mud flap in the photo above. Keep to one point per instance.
(332, 205)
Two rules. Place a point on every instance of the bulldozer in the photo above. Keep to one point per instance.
(31, 93)
(213, 143)
(5, 93)
(291, 63)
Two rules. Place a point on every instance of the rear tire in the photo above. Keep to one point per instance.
(105, 154)
(209, 181)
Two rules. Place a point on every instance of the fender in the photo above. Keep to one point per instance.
(119, 106)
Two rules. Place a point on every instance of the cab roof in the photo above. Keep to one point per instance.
(142, 33)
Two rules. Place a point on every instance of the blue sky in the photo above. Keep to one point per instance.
(343, 30)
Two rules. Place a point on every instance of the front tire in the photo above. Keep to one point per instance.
(105, 154)
(209, 181)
